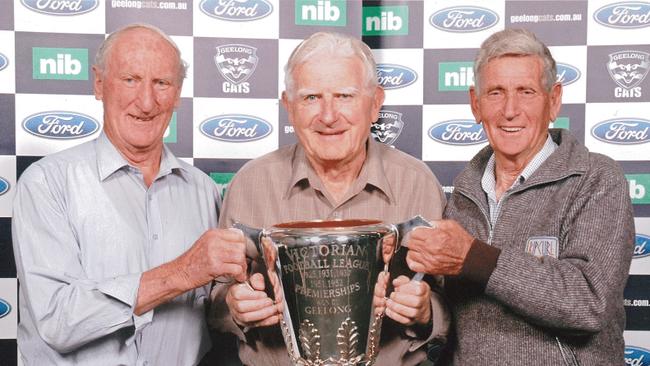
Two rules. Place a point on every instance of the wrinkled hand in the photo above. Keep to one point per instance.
(410, 302)
(440, 250)
(250, 306)
(218, 252)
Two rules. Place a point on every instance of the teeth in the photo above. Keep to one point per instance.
(511, 129)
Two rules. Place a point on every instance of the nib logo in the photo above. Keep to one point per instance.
(639, 188)
(385, 20)
(59, 63)
(321, 12)
(171, 134)
(222, 180)
(455, 76)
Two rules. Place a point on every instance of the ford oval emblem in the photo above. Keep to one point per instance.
(622, 131)
(4, 61)
(464, 19)
(567, 74)
(637, 356)
(235, 128)
(642, 246)
(61, 7)
(391, 76)
(5, 308)
(458, 132)
(4, 186)
(236, 10)
(60, 125)
(628, 14)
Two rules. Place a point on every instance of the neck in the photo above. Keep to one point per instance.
(338, 176)
(147, 160)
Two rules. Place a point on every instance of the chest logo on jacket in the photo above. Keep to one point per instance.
(541, 246)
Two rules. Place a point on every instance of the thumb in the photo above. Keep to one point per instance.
(257, 281)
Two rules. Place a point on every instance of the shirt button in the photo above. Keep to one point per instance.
(155, 236)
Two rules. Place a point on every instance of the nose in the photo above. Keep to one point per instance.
(329, 111)
(511, 107)
(146, 97)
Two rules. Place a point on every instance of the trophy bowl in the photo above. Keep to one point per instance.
(331, 278)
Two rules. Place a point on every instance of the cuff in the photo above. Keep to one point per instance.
(480, 263)
(125, 289)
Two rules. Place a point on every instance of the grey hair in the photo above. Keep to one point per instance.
(326, 44)
(515, 42)
(105, 47)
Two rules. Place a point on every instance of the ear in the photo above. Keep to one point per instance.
(555, 101)
(287, 106)
(474, 103)
(377, 101)
(98, 83)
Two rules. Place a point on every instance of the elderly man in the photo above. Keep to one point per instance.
(335, 172)
(540, 232)
(112, 238)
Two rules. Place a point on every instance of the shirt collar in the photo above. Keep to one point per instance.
(372, 172)
(488, 181)
(109, 160)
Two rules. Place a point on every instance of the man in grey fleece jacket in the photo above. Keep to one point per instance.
(539, 234)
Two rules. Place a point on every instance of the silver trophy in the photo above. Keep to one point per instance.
(331, 278)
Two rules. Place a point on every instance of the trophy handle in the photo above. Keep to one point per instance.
(402, 229)
(255, 235)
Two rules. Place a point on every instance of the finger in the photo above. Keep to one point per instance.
(272, 320)
(404, 310)
(243, 291)
(254, 310)
(257, 281)
(401, 280)
(231, 234)
(398, 317)
(237, 271)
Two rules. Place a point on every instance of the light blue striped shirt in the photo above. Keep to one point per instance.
(489, 183)
(85, 228)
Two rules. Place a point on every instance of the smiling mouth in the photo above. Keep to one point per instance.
(141, 118)
(511, 129)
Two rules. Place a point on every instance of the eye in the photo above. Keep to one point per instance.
(310, 97)
(162, 84)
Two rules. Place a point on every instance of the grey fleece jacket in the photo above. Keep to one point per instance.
(513, 308)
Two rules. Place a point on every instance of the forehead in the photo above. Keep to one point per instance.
(142, 47)
(330, 71)
(511, 68)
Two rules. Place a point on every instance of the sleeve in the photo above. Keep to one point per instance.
(67, 308)
(577, 291)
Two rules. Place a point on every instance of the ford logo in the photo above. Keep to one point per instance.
(628, 14)
(637, 356)
(641, 246)
(464, 19)
(235, 128)
(391, 76)
(5, 308)
(4, 186)
(624, 131)
(236, 10)
(60, 125)
(567, 74)
(61, 7)
(3, 61)
(458, 132)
